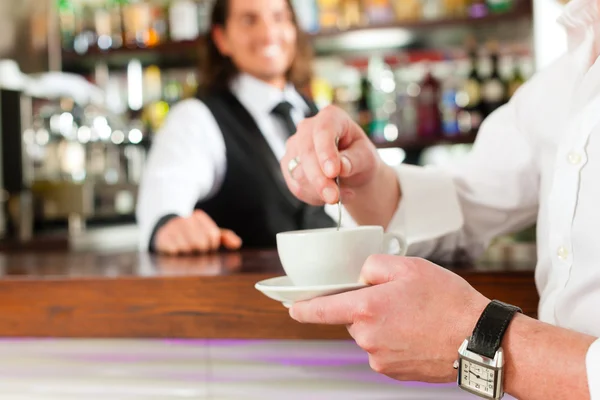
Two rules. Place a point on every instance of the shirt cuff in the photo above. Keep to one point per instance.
(429, 206)
(593, 370)
(161, 222)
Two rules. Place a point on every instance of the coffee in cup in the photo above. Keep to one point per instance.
(317, 257)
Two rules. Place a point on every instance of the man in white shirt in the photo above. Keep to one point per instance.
(537, 158)
(213, 176)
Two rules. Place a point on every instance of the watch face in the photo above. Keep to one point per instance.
(477, 378)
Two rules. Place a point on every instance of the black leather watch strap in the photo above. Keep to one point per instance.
(491, 327)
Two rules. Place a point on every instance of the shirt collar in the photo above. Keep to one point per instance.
(581, 20)
(580, 13)
(261, 97)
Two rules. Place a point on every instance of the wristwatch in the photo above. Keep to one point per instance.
(480, 361)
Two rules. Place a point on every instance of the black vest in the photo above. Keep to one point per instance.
(254, 200)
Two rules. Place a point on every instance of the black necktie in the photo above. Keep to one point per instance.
(283, 111)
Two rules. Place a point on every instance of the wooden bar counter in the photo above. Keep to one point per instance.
(136, 295)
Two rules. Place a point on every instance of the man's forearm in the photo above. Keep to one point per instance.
(376, 202)
(545, 362)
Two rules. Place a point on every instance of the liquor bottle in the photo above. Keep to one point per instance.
(405, 116)
(494, 89)
(469, 97)
(517, 79)
(381, 96)
(172, 91)
(430, 122)
(352, 14)
(308, 15)
(329, 13)
(102, 22)
(86, 34)
(158, 32)
(448, 107)
(115, 8)
(478, 9)
(204, 14)
(183, 20)
(66, 18)
(408, 10)
(433, 9)
(499, 6)
(137, 23)
(455, 8)
(379, 11)
(365, 116)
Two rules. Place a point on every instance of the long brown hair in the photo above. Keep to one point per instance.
(217, 70)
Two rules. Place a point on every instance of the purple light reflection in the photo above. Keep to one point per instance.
(315, 361)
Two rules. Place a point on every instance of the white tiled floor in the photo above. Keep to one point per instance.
(198, 369)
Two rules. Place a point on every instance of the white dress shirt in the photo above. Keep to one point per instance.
(537, 158)
(188, 161)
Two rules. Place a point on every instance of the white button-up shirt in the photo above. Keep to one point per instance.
(537, 158)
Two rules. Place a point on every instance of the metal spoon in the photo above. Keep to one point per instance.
(337, 181)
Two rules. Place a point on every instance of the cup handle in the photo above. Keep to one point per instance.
(388, 238)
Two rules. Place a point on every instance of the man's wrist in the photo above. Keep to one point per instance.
(377, 201)
(470, 316)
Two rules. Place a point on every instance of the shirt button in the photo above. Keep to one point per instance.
(562, 253)
(574, 158)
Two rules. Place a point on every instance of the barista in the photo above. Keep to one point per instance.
(213, 177)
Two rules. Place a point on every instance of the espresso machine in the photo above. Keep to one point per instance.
(66, 165)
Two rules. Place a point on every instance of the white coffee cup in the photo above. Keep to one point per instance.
(316, 257)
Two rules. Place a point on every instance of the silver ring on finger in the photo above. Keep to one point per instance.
(292, 165)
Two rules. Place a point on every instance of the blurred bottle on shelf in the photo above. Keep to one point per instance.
(449, 108)
(204, 14)
(430, 123)
(382, 100)
(308, 15)
(407, 92)
(434, 9)
(67, 23)
(159, 31)
(137, 23)
(517, 78)
(494, 88)
(499, 6)
(364, 113)
(478, 9)
(85, 29)
(173, 91)
(343, 99)
(407, 10)
(469, 97)
(115, 9)
(352, 14)
(103, 26)
(329, 11)
(378, 11)
(184, 20)
(455, 8)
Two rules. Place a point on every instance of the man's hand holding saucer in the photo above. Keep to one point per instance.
(411, 321)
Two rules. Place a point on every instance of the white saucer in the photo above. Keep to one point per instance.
(282, 289)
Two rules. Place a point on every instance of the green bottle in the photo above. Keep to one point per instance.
(499, 6)
(66, 20)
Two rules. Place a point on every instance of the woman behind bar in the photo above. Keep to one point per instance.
(213, 175)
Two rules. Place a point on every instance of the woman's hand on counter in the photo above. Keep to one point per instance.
(195, 234)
